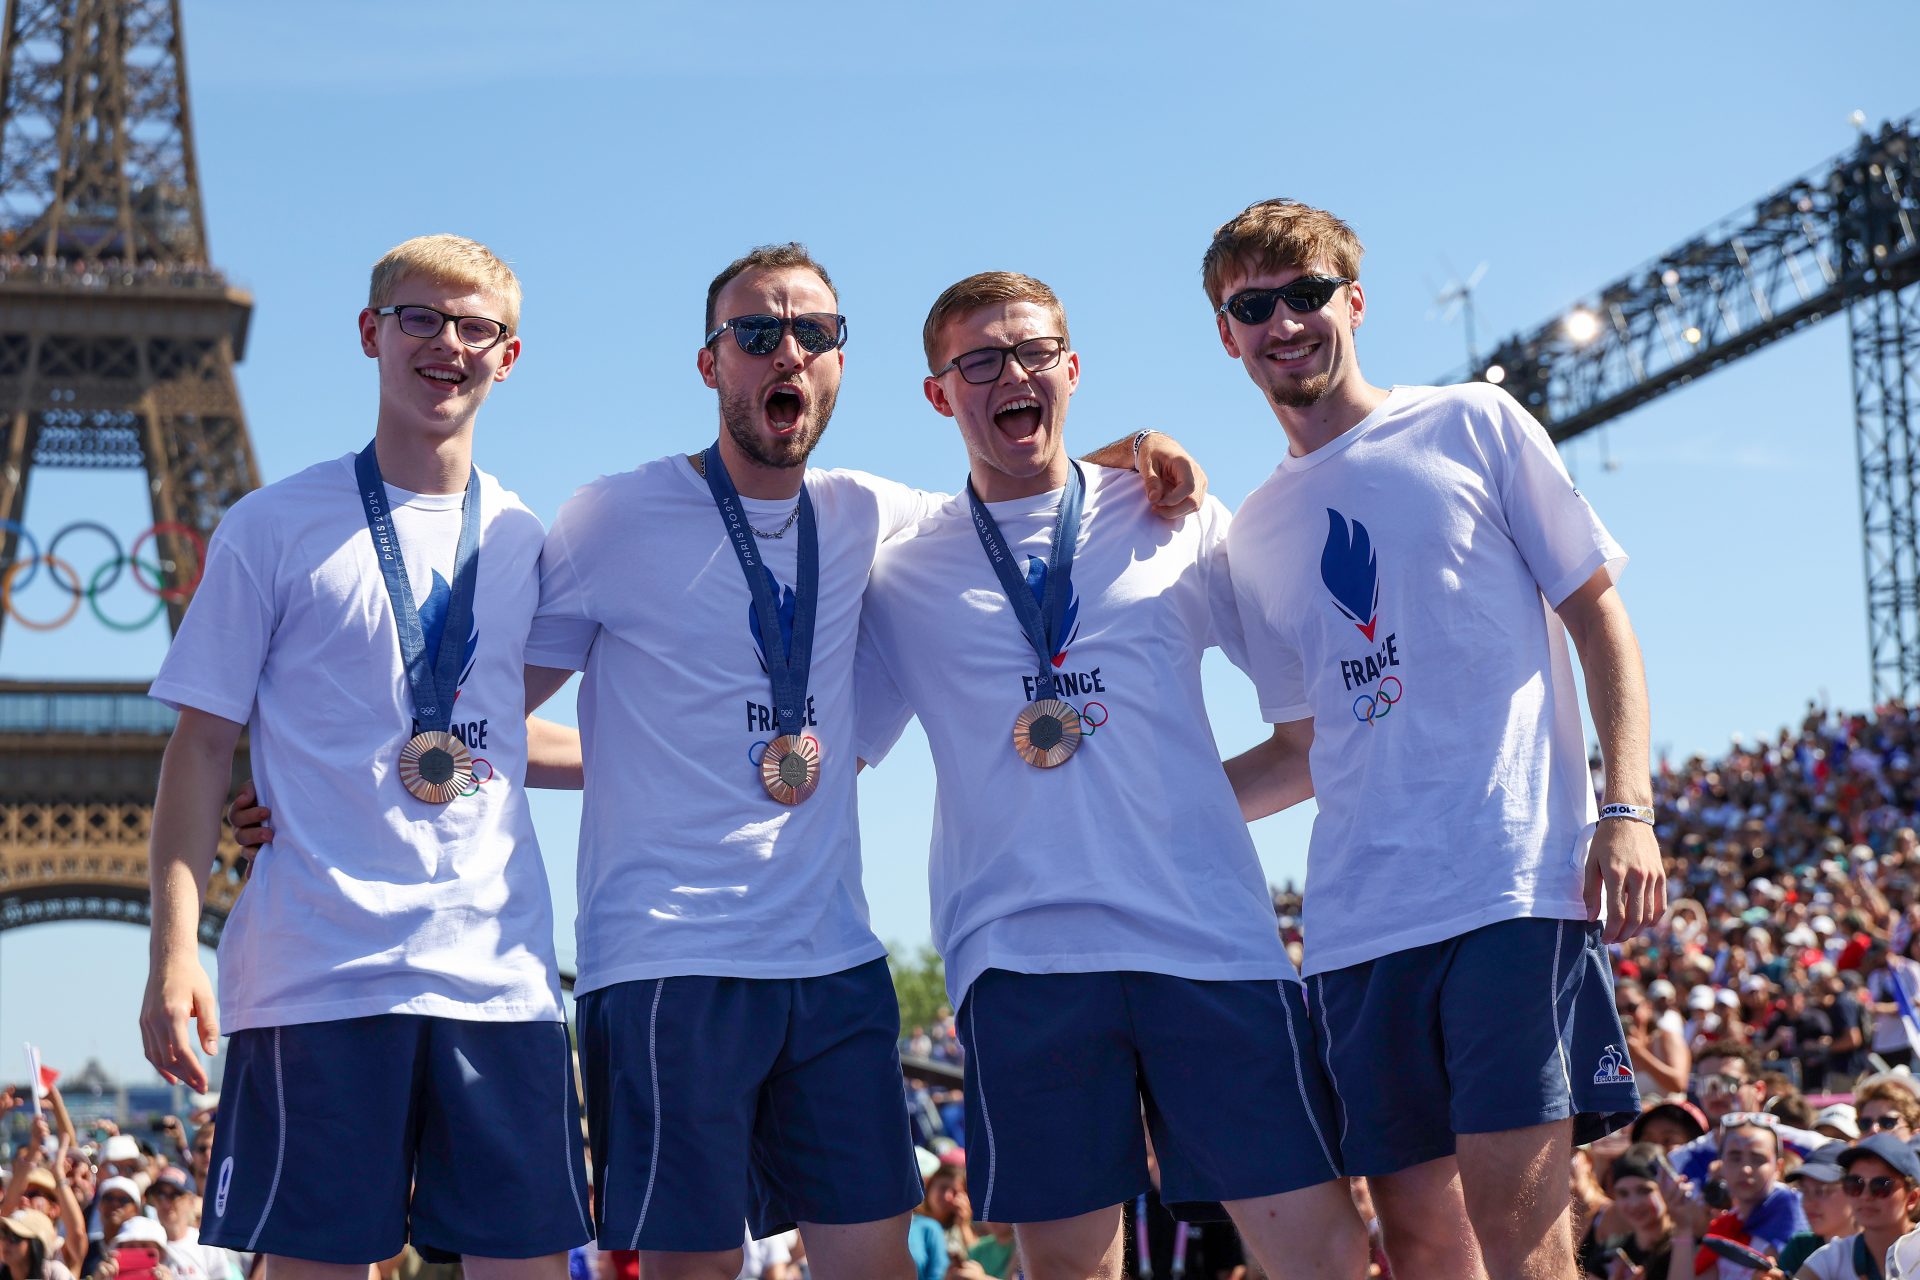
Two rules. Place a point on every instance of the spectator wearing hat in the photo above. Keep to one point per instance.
(119, 1203)
(1657, 1048)
(177, 1209)
(1639, 1205)
(29, 1249)
(35, 1182)
(1829, 1212)
(122, 1157)
(1888, 1105)
(1882, 1183)
(1839, 1121)
(1668, 1125)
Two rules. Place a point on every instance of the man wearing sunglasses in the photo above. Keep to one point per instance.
(1882, 1183)
(1108, 934)
(738, 1022)
(1406, 578)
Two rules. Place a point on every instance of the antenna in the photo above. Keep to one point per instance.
(1455, 298)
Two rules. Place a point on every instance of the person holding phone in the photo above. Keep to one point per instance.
(1640, 1206)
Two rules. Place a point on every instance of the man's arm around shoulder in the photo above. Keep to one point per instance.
(1274, 775)
(194, 775)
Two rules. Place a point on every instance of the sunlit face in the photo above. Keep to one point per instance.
(1749, 1161)
(1875, 1115)
(1725, 1086)
(115, 1208)
(773, 407)
(174, 1208)
(1880, 1213)
(1014, 424)
(435, 385)
(1295, 358)
(1640, 1202)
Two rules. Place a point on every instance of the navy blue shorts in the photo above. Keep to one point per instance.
(1060, 1067)
(1509, 1026)
(343, 1141)
(774, 1100)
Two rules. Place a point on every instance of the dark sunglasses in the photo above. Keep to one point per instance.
(477, 332)
(984, 365)
(1308, 293)
(1890, 1121)
(1879, 1188)
(817, 332)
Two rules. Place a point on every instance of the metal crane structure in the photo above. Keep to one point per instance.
(1839, 238)
(117, 345)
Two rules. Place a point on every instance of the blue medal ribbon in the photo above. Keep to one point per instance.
(787, 668)
(1041, 620)
(434, 681)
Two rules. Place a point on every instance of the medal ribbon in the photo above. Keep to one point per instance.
(1039, 619)
(434, 681)
(787, 668)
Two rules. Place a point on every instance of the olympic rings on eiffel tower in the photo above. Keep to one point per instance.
(162, 579)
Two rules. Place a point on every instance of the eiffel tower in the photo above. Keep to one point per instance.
(117, 345)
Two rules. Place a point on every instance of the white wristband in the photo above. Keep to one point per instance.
(1139, 437)
(1630, 812)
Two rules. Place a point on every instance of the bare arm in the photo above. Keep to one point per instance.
(1625, 855)
(1273, 776)
(186, 827)
(553, 750)
(1175, 483)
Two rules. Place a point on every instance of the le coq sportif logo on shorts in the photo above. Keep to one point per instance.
(1613, 1068)
(1350, 570)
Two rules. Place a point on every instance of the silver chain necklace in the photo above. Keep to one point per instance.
(699, 462)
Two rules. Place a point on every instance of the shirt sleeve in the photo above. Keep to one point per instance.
(215, 661)
(564, 627)
(880, 711)
(1556, 529)
(1270, 658)
(1223, 611)
(902, 507)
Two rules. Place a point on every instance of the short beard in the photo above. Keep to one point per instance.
(740, 413)
(1303, 395)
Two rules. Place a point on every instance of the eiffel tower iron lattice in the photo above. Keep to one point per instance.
(118, 339)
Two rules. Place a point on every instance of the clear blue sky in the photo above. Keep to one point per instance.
(620, 154)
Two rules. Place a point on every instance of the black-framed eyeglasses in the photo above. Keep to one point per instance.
(1879, 1188)
(817, 332)
(1890, 1120)
(984, 365)
(416, 321)
(1308, 293)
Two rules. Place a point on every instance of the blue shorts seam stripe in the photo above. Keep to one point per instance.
(653, 1068)
(280, 1153)
(1326, 1019)
(1300, 1080)
(567, 1116)
(1553, 1005)
(980, 1091)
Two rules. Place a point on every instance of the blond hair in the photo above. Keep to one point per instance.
(449, 259)
(1274, 235)
(986, 289)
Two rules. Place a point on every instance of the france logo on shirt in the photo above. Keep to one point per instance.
(433, 621)
(1070, 621)
(1351, 571)
(785, 596)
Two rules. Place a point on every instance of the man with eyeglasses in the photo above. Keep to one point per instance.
(738, 1022)
(1108, 934)
(388, 978)
(1882, 1184)
(1407, 578)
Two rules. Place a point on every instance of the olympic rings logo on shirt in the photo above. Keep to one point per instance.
(758, 749)
(478, 781)
(1369, 707)
(161, 579)
(1089, 722)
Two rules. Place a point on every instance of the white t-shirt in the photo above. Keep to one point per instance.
(1396, 586)
(687, 866)
(370, 901)
(1831, 1261)
(1130, 855)
(757, 1255)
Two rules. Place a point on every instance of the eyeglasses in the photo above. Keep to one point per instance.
(817, 332)
(1879, 1188)
(1889, 1121)
(1308, 293)
(1035, 355)
(1714, 1085)
(477, 332)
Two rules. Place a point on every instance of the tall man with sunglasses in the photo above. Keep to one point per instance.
(1406, 579)
(738, 1022)
(1109, 937)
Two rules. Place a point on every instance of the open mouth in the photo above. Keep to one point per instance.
(1287, 357)
(784, 405)
(1018, 420)
(441, 375)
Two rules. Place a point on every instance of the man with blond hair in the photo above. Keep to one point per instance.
(1406, 579)
(389, 980)
(1109, 938)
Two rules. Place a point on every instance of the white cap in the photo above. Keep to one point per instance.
(125, 1186)
(1660, 989)
(1823, 924)
(1700, 998)
(120, 1146)
(1754, 982)
(1841, 1116)
(141, 1230)
(1726, 996)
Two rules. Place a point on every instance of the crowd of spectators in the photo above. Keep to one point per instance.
(105, 273)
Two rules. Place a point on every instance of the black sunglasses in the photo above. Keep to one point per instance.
(1888, 1121)
(1879, 1188)
(984, 365)
(817, 332)
(478, 332)
(1308, 293)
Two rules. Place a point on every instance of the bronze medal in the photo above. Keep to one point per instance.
(790, 768)
(1046, 732)
(436, 767)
